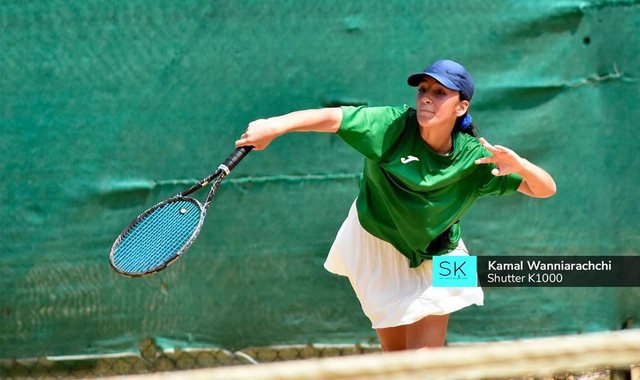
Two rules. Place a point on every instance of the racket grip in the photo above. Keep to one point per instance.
(235, 157)
(224, 169)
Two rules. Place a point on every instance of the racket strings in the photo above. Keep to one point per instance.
(158, 237)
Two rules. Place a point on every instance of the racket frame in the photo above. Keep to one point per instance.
(215, 178)
(143, 216)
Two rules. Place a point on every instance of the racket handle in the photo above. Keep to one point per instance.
(226, 167)
(235, 158)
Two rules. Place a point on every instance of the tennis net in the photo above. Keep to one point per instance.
(613, 355)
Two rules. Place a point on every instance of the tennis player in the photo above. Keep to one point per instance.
(423, 170)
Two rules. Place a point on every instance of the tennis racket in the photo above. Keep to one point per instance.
(160, 235)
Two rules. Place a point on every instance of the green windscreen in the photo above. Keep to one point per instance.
(107, 108)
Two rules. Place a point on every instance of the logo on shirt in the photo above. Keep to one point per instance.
(406, 160)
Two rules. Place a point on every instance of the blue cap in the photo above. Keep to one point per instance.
(450, 74)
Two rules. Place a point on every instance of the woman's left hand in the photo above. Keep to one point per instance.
(506, 160)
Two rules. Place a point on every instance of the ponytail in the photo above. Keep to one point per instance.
(468, 129)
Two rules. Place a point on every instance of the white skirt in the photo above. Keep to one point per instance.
(390, 292)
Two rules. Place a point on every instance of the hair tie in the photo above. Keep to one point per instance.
(466, 121)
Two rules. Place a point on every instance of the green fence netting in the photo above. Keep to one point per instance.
(109, 107)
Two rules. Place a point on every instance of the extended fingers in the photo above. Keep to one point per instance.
(490, 148)
(485, 160)
(493, 148)
(490, 160)
(503, 149)
(486, 144)
(497, 153)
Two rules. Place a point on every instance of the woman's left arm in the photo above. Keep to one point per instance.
(535, 181)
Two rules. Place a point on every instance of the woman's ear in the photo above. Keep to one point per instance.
(462, 107)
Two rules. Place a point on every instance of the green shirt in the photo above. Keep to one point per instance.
(408, 193)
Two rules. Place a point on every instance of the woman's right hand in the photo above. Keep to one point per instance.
(259, 134)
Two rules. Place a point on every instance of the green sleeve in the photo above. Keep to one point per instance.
(498, 185)
(372, 130)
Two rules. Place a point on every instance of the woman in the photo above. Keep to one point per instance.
(423, 169)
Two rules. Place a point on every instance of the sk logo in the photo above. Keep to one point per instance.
(406, 160)
(455, 271)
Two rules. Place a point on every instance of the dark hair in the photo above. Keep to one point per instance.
(457, 127)
(470, 130)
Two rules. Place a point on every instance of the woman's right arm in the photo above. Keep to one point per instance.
(260, 133)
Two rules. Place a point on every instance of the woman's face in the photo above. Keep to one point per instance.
(437, 105)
